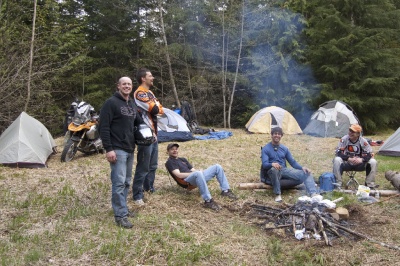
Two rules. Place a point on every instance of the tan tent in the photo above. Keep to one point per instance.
(270, 117)
(26, 143)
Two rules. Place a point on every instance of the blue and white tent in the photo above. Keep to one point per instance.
(172, 127)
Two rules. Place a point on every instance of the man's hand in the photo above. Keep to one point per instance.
(111, 156)
(355, 160)
(277, 166)
(306, 170)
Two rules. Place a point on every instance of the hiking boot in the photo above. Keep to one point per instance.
(139, 203)
(228, 193)
(212, 205)
(278, 198)
(123, 222)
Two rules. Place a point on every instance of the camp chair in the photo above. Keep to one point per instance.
(352, 183)
(181, 182)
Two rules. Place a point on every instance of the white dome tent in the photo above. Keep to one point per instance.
(332, 119)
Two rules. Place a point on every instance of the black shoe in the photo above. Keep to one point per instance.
(151, 190)
(212, 205)
(229, 194)
(123, 222)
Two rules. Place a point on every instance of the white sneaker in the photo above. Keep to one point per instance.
(278, 198)
(139, 203)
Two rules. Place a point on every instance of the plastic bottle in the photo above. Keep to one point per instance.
(377, 196)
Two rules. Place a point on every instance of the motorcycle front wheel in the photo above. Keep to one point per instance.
(69, 151)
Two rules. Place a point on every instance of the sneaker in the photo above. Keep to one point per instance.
(278, 198)
(228, 193)
(338, 186)
(123, 222)
(139, 203)
(212, 205)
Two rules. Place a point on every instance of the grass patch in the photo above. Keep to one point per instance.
(61, 215)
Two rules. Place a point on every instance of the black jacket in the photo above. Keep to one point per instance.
(118, 119)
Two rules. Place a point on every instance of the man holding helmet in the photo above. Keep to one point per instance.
(147, 157)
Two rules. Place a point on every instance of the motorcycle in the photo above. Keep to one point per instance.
(82, 134)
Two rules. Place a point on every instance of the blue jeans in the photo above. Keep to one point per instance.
(121, 175)
(200, 179)
(145, 173)
(290, 177)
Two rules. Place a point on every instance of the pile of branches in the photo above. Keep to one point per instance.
(308, 220)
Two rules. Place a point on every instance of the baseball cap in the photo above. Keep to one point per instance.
(172, 145)
(355, 128)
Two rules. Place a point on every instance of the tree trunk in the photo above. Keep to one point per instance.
(223, 68)
(237, 67)
(167, 55)
(28, 96)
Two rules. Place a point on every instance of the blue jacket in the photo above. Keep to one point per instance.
(278, 154)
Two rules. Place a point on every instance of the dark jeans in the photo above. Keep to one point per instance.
(279, 182)
(145, 173)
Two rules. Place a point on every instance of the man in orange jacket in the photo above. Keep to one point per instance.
(147, 157)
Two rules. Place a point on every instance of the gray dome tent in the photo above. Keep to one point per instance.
(332, 119)
(391, 147)
(26, 143)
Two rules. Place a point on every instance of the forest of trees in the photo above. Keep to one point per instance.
(227, 58)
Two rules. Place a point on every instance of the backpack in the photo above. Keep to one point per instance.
(326, 181)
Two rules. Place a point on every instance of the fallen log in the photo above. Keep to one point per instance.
(254, 186)
(244, 186)
(383, 193)
(394, 178)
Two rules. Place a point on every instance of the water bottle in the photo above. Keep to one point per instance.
(377, 196)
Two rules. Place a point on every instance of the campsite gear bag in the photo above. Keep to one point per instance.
(326, 181)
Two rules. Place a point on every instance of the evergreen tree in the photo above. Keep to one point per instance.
(354, 50)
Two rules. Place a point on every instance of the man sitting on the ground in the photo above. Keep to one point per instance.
(181, 168)
(354, 154)
(274, 171)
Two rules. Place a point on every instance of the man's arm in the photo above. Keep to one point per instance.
(146, 100)
(289, 157)
(366, 150)
(180, 175)
(266, 164)
(106, 117)
(340, 150)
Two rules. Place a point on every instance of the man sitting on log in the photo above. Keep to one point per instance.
(181, 168)
(274, 171)
(354, 154)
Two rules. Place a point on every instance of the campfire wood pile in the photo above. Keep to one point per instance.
(308, 220)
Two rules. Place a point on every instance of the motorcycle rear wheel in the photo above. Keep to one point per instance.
(69, 151)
